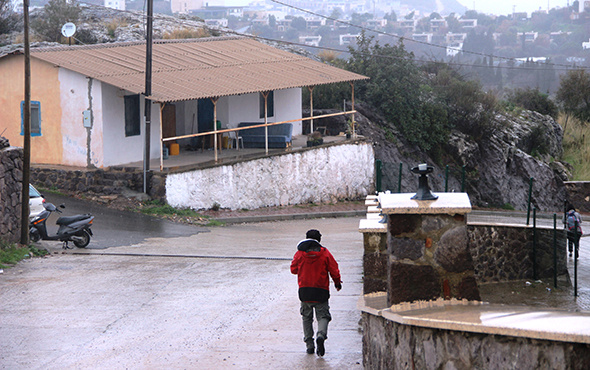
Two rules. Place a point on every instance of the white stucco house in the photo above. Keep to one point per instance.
(88, 101)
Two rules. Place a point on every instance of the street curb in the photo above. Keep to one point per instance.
(292, 216)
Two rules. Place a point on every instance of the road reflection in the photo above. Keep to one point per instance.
(113, 228)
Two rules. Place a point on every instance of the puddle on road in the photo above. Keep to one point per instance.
(539, 293)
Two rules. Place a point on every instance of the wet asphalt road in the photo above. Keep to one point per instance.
(223, 299)
(112, 228)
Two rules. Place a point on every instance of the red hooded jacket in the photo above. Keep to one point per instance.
(312, 263)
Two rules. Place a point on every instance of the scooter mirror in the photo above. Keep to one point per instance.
(62, 206)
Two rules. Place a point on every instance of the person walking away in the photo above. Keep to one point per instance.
(574, 229)
(312, 263)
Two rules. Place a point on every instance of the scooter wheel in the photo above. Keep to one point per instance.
(82, 239)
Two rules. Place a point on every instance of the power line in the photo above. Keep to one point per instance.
(185, 22)
(404, 38)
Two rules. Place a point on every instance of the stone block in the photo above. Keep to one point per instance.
(371, 285)
(408, 283)
(452, 251)
(401, 248)
(403, 224)
(374, 242)
(468, 289)
(375, 264)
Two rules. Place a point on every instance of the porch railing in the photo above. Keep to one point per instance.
(222, 131)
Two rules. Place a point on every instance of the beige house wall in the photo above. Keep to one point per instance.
(45, 88)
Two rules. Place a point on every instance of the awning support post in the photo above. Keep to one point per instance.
(310, 88)
(265, 95)
(214, 100)
(353, 115)
(161, 139)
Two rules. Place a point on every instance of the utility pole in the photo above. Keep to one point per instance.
(148, 92)
(24, 228)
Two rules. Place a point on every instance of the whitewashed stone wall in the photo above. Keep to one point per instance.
(320, 175)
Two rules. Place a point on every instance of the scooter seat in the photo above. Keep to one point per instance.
(66, 220)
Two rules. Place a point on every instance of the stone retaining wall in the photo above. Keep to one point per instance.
(11, 175)
(389, 345)
(327, 174)
(97, 181)
(503, 253)
(499, 253)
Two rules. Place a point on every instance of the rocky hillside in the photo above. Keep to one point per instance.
(498, 168)
(98, 24)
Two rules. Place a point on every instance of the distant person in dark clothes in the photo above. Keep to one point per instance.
(312, 263)
(573, 223)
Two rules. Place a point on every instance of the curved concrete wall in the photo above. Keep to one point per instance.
(319, 175)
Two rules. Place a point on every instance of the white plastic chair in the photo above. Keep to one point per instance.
(236, 139)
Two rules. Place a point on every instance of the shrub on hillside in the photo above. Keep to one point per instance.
(573, 94)
(186, 33)
(533, 99)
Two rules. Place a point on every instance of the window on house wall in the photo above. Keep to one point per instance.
(35, 118)
(270, 104)
(132, 119)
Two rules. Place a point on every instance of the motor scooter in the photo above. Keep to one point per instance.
(71, 229)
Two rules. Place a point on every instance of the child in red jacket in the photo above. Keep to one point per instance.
(312, 263)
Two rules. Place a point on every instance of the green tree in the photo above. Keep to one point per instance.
(299, 24)
(479, 43)
(573, 94)
(8, 19)
(533, 99)
(398, 91)
(336, 13)
(391, 17)
(263, 30)
(56, 14)
(469, 109)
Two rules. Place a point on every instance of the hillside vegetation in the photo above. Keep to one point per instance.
(576, 147)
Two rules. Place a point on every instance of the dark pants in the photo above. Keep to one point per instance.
(573, 239)
(322, 313)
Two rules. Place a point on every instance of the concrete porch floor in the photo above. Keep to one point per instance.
(193, 159)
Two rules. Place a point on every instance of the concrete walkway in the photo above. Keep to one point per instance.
(222, 299)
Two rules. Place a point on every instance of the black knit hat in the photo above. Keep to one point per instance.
(313, 234)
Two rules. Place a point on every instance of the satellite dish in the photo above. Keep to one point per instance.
(68, 29)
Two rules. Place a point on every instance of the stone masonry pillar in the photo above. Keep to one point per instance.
(428, 249)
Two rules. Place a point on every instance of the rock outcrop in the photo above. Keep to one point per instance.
(498, 168)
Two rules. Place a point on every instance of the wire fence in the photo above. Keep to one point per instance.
(549, 232)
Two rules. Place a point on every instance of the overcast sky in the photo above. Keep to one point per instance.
(497, 7)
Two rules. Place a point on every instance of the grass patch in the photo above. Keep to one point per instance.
(576, 147)
(10, 254)
(186, 215)
(160, 209)
(52, 190)
(186, 33)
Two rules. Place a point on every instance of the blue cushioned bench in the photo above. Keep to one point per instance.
(279, 136)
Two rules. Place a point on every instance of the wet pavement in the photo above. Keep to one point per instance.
(114, 228)
(221, 299)
(543, 293)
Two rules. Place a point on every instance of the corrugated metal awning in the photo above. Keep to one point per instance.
(195, 69)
